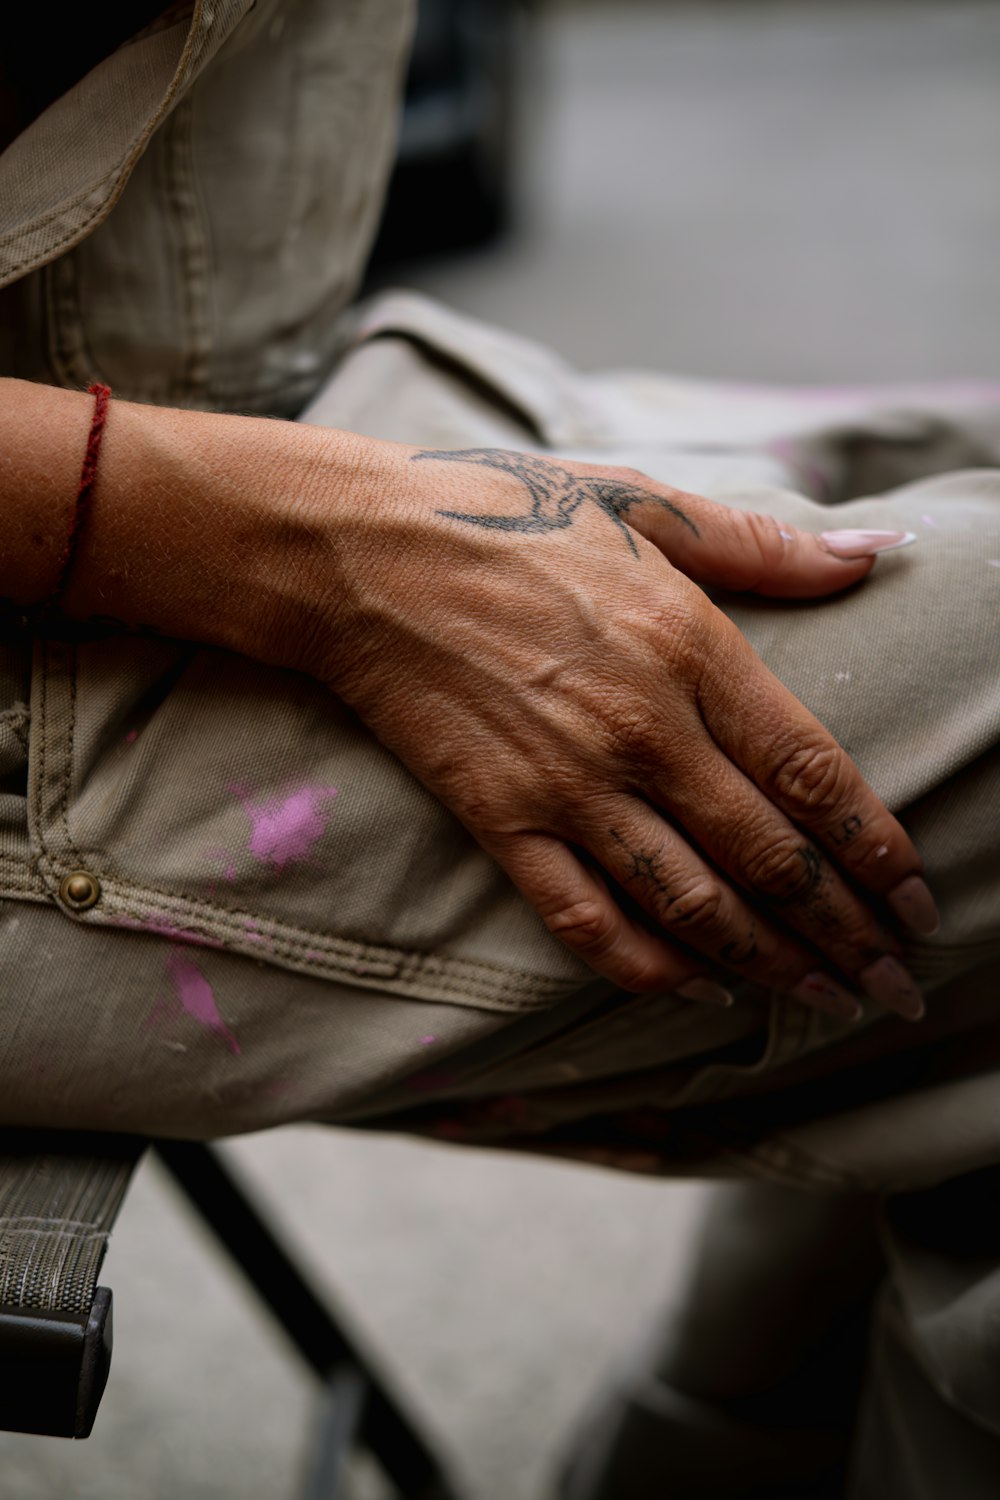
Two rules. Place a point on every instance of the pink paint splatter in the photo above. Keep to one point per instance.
(254, 934)
(284, 829)
(132, 736)
(425, 1041)
(313, 953)
(195, 995)
(930, 521)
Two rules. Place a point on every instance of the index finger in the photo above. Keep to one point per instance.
(799, 766)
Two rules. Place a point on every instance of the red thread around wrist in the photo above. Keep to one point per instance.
(85, 489)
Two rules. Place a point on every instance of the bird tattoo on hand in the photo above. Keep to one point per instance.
(556, 493)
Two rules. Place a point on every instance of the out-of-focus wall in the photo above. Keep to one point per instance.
(756, 189)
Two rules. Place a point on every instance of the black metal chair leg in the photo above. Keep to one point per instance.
(343, 1406)
(379, 1422)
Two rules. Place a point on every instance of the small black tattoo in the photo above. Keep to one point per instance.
(645, 867)
(556, 493)
(805, 884)
(848, 830)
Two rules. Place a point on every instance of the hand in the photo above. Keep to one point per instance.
(526, 636)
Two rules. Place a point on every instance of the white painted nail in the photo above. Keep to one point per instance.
(854, 544)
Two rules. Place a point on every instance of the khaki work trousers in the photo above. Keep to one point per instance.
(291, 928)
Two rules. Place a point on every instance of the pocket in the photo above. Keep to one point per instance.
(219, 802)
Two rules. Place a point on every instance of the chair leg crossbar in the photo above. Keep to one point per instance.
(58, 1200)
(359, 1409)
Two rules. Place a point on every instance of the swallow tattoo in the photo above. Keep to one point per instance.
(556, 493)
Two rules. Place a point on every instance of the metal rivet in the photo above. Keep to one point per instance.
(79, 890)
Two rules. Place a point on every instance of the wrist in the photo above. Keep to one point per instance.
(203, 527)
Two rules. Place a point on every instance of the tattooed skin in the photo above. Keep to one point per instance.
(807, 881)
(555, 493)
(645, 867)
(848, 830)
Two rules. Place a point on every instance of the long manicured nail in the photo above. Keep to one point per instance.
(914, 905)
(824, 993)
(888, 982)
(705, 990)
(853, 544)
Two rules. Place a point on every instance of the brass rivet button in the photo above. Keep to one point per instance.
(79, 890)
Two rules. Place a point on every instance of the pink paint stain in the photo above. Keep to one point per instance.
(425, 1041)
(993, 562)
(254, 934)
(132, 736)
(284, 829)
(196, 997)
(930, 521)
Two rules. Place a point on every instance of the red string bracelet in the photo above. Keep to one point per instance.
(85, 489)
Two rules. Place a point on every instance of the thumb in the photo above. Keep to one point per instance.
(744, 550)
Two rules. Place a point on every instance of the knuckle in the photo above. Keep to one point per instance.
(811, 777)
(632, 735)
(699, 906)
(862, 935)
(762, 546)
(782, 871)
(588, 926)
(640, 974)
(629, 475)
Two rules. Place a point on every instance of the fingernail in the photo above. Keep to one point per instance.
(888, 982)
(705, 990)
(853, 544)
(914, 905)
(823, 992)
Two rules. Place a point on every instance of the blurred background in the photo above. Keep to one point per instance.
(795, 190)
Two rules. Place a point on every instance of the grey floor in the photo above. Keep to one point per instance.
(786, 191)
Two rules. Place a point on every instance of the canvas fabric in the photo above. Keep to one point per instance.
(290, 927)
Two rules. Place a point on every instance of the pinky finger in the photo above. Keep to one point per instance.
(578, 909)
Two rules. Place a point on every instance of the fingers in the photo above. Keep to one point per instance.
(801, 770)
(744, 550)
(779, 865)
(695, 905)
(580, 911)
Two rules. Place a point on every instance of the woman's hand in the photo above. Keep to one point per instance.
(526, 636)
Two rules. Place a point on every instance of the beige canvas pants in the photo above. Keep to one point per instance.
(288, 926)
(291, 928)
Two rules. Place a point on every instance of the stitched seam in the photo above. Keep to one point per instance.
(43, 857)
(192, 251)
(199, 909)
(453, 974)
(13, 891)
(68, 758)
(86, 1224)
(135, 150)
(69, 351)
